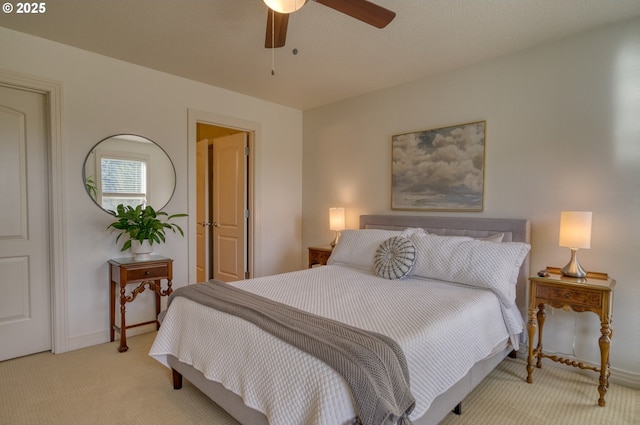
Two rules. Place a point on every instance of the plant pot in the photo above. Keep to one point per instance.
(141, 251)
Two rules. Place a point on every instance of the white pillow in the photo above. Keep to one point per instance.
(496, 237)
(471, 261)
(357, 247)
(394, 258)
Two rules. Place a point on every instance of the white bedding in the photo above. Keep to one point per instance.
(443, 329)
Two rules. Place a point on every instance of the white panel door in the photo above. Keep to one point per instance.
(229, 206)
(25, 292)
(202, 202)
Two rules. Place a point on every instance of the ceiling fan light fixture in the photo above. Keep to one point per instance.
(285, 6)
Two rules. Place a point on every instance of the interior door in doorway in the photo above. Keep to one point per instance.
(202, 208)
(25, 303)
(230, 213)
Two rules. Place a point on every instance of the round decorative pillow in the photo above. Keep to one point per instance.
(394, 258)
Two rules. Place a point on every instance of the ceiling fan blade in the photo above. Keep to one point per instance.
(362, 10)
(280, 22)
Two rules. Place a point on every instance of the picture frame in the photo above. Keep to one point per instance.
(441, 169)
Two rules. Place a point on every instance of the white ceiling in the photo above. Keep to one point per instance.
(221, 42)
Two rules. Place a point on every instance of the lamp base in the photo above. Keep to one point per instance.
(573, 268)
(335, 241)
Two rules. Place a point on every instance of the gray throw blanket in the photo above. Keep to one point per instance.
(372, 364)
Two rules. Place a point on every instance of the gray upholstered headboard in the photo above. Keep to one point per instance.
(514, 230)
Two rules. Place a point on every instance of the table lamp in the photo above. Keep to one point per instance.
(336, 222)
(575, 233)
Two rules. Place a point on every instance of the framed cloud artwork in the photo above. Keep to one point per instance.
(440, 169)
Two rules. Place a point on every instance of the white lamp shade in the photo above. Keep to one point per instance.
(336, 219)
(285, 6)
(575, 229)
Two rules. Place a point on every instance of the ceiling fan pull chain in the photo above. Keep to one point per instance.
(273, 47)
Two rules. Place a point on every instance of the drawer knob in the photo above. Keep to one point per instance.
(147, 273)
(566, 295)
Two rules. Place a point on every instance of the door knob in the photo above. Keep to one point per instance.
(216, 224)
(204, 223)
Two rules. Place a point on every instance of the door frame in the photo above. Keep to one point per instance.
(254, 129)
(52, 90)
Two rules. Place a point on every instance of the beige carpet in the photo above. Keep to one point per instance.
(98, 385)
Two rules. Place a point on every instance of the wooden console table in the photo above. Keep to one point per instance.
(319, 255)
(593, 293)
(125, 271)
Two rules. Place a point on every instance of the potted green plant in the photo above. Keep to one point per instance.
(143, 225)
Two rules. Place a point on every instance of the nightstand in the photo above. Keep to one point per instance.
(593, 293)
(319, 255)
(125, 271)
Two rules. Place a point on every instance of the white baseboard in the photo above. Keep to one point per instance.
(87, 340)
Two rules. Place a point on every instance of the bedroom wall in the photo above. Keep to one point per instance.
(103, 96)
(562, 134)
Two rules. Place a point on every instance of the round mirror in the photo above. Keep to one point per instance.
(130, 170)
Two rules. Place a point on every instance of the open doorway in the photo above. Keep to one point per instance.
(222, 203)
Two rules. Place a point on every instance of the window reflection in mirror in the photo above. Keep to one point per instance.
(130, 170)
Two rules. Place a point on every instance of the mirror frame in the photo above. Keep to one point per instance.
(125, 135)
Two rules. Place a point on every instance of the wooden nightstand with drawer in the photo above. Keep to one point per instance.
(125, 271)
(593, 293)
(318, 255)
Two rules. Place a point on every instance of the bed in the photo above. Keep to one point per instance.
(454, 324)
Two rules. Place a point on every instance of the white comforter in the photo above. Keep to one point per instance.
(442, 328)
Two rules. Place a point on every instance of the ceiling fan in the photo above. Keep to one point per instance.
(279, 10)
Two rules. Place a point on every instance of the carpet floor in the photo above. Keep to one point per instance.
(98, 385)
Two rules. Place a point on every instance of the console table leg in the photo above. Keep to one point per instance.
(158, 306)
(605, 343)
(531, 329)
(112, 309)
(123, 326)
(541, 316)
